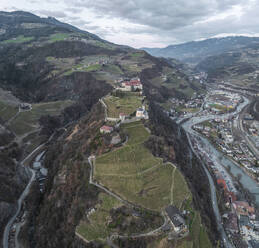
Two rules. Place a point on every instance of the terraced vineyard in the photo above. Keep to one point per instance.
(133, 173)
(28, 121)
(126, 104)
(136, 175)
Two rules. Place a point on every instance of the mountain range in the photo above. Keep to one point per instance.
(195, 51)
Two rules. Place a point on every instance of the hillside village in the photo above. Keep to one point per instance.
(124, 112)
(221, 133)
(224, 130)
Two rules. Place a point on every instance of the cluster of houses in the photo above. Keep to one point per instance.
(241, 223)
(141, 113)
(178, 105)
(220, 132)
(227, 86)
(41, 171)
(131, 85)
(200, 77)
(100, 61)
(221, 175)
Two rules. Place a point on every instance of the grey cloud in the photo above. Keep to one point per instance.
(57, 14)
(162, 14)
(74, 10)
(165, 21)
(92, 27)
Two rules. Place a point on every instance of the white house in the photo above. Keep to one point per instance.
(142, 113)
(122, 116)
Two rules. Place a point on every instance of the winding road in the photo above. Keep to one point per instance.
(20, 200)
(19, 203)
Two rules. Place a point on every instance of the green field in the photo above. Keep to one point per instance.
(95, 67)
(59, 37)
(7, 111)
(220, 107)
(127, 104)
(28, 121)
(81, 67)
(135, 174)
(114, 69)
(137, 54)
(18, 39)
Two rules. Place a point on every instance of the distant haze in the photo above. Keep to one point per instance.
(149, 23)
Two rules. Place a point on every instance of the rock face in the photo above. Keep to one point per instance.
(13, 179)
(68, 194)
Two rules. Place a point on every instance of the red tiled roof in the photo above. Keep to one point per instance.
(132, 83)
(243, 204)
(107, 128)
(222, 182)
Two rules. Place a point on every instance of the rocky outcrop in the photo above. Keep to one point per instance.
(13, 179)
(68, 192)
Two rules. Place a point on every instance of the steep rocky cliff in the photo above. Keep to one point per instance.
(39, 70)
(68, 194)
(13, 179)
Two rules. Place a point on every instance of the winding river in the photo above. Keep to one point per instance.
(246, 181)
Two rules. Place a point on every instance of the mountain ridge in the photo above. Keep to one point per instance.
(194, 51)
(47, 63)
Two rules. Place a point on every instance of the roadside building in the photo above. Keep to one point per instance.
(25, 106)
(44, 171)
(243, 208)
(36, 165)
(131, 85)
(176, 219)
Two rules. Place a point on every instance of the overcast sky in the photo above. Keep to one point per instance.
(149, 23)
